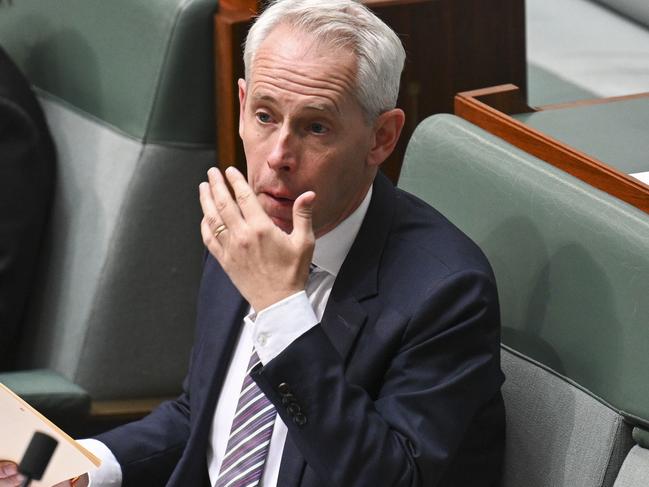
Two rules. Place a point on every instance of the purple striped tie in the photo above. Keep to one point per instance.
(252, 427)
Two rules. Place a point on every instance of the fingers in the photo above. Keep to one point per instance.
(246, 200)
(211, 222)
(207, 205)
(220, 209)
(303, 216)
(225, 206)
(9, 476)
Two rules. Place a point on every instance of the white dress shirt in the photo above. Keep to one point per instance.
(269, 332)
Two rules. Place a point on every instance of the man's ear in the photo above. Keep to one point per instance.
(387, 130)
(242, 103)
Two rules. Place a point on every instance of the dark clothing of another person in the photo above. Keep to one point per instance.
(27, 165)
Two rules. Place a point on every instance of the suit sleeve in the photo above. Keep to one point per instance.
(443, 372)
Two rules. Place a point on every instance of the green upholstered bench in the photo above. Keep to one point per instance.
(572, 268)
(63, 402)
(127, 88)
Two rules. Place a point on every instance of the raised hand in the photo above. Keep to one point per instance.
(265, 263)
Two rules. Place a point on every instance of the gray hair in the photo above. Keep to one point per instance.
(341, 23)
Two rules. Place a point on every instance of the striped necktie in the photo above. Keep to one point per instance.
(252, 427)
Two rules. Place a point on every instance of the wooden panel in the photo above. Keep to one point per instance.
(593, 101)
(252, 5)
(124, 409)
(451, 46)
(474, 106)
(230, 28)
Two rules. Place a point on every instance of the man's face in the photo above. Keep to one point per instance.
(302, 129)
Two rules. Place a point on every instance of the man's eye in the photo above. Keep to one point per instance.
(263, 117)
(318, 128)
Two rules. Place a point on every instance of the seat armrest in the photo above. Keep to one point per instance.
(54, 396)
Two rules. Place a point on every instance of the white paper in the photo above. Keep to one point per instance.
(19, 421)
(642, 176)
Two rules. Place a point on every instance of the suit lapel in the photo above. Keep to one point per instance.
(357, 280)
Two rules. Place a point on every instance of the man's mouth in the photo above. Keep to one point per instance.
(280, 200)
(279, 208)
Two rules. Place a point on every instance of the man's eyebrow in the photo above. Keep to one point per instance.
(321, 107)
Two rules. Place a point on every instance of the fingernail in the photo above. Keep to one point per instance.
(10, 469)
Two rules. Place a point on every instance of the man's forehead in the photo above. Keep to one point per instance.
(261, 95)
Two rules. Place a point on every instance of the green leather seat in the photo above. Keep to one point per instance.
(127, 88)
(572, 268)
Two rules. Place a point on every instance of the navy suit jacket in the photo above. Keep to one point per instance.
(399, 383)
(27, 171)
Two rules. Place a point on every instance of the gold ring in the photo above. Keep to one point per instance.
(219, 230)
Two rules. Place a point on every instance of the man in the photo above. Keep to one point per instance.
(373, 319)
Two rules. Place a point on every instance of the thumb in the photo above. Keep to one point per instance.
(303, 215)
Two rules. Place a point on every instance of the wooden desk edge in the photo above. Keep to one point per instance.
(124, 408)
(472, 106)
(592, 101)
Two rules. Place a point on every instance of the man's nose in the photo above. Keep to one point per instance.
(283, 157)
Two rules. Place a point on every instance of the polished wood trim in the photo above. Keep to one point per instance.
(592, 101)
(505, 98)
(251, 5)
(389, 3)
(581, 165)
(230, 27)
(256, 5)
(124, 408)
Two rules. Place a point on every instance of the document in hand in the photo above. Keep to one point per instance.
(19, 421)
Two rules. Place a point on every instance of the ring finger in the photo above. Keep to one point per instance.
(211, 226)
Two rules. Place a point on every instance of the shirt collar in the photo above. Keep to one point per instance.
(332, 248)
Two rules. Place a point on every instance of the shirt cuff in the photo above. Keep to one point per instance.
(276, 327)
(109, 473)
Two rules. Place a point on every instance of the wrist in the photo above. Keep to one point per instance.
(263, 303)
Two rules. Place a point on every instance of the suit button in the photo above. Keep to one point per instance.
(284, 388)
(299, 419)
(293, 409)
(287, 398)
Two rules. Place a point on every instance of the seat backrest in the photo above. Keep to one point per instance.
(557, 433)
(127, 88)
(572, 267)
(636, 10)
(635, 470)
